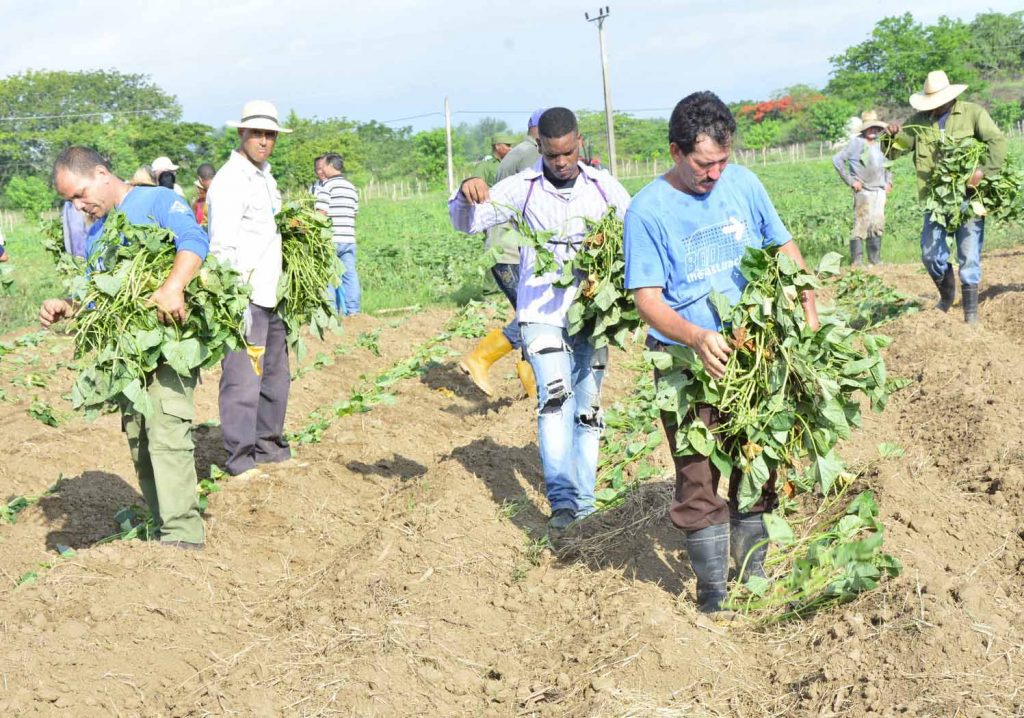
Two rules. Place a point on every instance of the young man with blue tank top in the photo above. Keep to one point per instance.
(161, 445)
(685, 234)
(556, 195)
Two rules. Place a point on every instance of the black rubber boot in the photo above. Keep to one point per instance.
(875, 250)
(856, 252)
(708, 549)
(947, 289)
(969, 293)
(748, 542)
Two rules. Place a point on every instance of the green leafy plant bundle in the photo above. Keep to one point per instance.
(787, 396)
(311, 265)
(118, 328)
(952, 202)
(837, 556)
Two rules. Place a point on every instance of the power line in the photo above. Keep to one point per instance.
(85, 114)
(412, 117)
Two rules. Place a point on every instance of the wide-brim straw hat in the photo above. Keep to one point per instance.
(142, 178)
(937, 92)
(870, 119)
(258, 115)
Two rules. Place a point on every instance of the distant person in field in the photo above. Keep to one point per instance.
(243, 199)
(161, 446)
(685, 235)
(503, 241)
(939, 111)
(501, 145)
(204, 176)
(3, 247)
(338, 199)
(555, 195)
(318, 170)
(143, 177)
(863, 166)
(75, 230)
(165, 173)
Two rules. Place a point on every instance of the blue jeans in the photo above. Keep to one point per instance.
(569, 421)
(935, 249)
(347, 296)
(507, 277)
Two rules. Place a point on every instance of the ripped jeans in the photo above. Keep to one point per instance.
(569, 421)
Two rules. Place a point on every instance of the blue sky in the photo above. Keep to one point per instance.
(391, 59)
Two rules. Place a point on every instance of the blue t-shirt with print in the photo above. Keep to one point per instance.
(691, 244)
(163, 207)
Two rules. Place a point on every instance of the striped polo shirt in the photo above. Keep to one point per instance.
(339, 199)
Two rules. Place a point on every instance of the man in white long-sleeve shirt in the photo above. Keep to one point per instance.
(243, 199)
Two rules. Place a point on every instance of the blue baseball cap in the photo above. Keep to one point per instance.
(535, 117)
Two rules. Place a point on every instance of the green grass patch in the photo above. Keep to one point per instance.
(35, 278)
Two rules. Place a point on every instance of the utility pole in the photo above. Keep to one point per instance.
(602, 15)
(448, 145)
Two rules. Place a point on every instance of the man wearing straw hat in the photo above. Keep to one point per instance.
(243, 199)
(862, 165)
(940, 112)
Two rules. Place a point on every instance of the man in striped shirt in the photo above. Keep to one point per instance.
(337, 198)
(554, 197)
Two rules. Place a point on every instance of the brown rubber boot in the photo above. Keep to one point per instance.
(490, 349)
(526, 377)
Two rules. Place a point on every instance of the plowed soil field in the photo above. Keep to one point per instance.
(393, 568)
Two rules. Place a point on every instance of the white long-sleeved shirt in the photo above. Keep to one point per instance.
(545, 208)
(243, 200)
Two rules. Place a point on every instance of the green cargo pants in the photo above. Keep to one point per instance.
(163, 453)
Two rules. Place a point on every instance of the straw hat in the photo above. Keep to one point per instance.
(870, 119)
(258, 115)
(142, 178)
(937, 92)
(163, 164)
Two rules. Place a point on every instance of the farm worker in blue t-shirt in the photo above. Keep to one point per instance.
(161, 445)
(685, 234)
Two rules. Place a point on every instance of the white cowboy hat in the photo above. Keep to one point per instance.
(937, 92)
(163, 164)
(870, 119)
(258, 115)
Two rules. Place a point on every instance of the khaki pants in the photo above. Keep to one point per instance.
(164, 456)
(868, 213)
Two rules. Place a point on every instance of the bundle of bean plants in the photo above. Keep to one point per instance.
(602, 308)
(311, 266)
(117, 327)
(827, 559)
(788, 394)
(69, 268)
(952, 202)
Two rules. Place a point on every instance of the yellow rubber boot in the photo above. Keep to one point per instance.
(490, 349)
(529, 381)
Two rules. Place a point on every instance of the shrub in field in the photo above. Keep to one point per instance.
(30, 194)
(118, 326)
